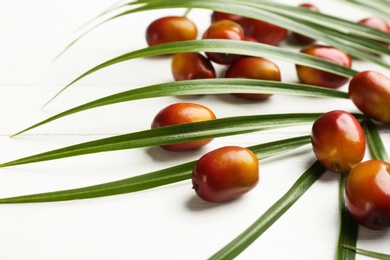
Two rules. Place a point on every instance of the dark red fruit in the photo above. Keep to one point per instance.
(181, 113)
(302, 38)
(254, 68)
(191, 65)
(338, 141)
(224, 29)
(225, 174)
(370, 92)
(367, 194)
(219, 16)
(318, 77)
(263, 32)
(170, 29)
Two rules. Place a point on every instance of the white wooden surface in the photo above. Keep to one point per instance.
(170, 222)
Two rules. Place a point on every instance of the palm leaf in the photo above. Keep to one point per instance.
(268, 13)
(222, 46)
(368, 253)
(174, 134)
(290, 12)
(151, 180)
(377, 148)
(202, 86)
(239, 244)
(348, 227)
(327, 21)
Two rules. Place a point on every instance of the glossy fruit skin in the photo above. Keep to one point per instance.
(302, 38)
(219, 16)
(170, 29)
(181, 113)
(367, 194)
(370, 92)
(263, 32)
(338, 141)
(224, 29)
(225, 174)
(312, 76)
(254, 68)
(191, 65)
(376, 23)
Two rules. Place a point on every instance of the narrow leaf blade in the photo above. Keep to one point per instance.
(153, 179)
(174, 134)
(222, 46)
(198, 87)
(239, 244)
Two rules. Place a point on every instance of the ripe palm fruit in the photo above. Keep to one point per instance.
(225, 174)
(263, 32)
(302, 38)
(370, 92)
(254, 68)
(170, 29)
(312, 76)
(191, 65)
(181, 113)
(338, 141)
(376, 23)
(367, 194)
(223, 29)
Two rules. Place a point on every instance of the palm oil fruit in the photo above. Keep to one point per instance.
(302, 38)
(191, 65)
(170, 29)
(218, 16)
(253, 68)
(367, 194)
(225, 174)
(312, 76)
(376, 23)
(338, 141)
(263, 32)
(181, 113)
(223, 29)
(370, 92)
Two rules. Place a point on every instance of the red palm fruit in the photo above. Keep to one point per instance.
(170, 29)
(218, 16)
(263, 32)
(253, 68)
(224, 29)
(367, 194)
(338, 141)
(376, 23)
(318, 77)
(302, 38)
(225, 174)
(191, 65)
(370, 92)
(181, 113)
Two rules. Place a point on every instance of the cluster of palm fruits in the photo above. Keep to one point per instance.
(338, 139)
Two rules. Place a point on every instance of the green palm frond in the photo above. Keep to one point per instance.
(222, 46)
(246, 238)
(154, 179)
(175, 134)
(201, 86)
